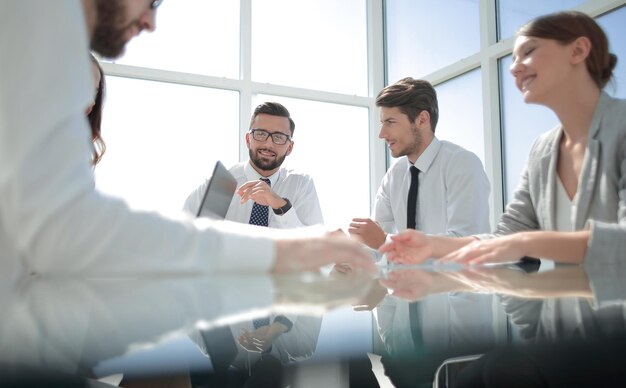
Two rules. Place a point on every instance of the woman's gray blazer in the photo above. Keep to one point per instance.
(600, 202)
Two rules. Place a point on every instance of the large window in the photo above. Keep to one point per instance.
(319, 44)
(192, 36)
(424, 36)
(514, 13)
(181, 98)
(460, 112)
(163, 139)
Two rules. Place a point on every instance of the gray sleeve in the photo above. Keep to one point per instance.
(607, 242)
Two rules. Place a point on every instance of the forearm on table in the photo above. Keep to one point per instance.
(442, 245)
(563, 247)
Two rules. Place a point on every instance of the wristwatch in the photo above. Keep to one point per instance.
(285, 321)
(282, 210)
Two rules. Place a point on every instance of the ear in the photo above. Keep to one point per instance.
(290, 148)
(248, 139)
(423, 119)
(581, 48)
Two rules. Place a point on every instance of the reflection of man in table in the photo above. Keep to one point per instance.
(418, 337)
(242, 358)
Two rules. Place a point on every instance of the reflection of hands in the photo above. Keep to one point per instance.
(368, 232)
(487, 280)
(567, 281)
(262, 338)
(302, 254)
(340, 270)
(408, 247)
(261, 193)
(337, 289)
(496, 250)
(411, 284)
(373, 297)
(414, 284)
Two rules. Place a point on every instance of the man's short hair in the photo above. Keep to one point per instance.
(411, 96)
(274, 109)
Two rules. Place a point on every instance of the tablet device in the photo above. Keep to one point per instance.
(218, 194)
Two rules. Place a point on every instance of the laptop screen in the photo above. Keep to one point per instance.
(218, 194)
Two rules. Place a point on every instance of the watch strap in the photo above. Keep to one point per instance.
(284, 209)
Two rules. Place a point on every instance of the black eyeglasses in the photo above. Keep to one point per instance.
(278, 138)
(155, 4)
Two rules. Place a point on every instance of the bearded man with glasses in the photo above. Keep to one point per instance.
(290, 195)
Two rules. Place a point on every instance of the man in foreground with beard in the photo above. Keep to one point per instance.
(290, 195)
(52, 219)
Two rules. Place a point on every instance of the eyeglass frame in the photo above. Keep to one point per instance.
(270, 134)
(155, 4)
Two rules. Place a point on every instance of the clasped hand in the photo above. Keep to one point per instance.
(368, 232)
(261, 193)
(261, 339)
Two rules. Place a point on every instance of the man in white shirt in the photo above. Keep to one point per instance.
(453, 189)
(52, 220)
(450, 197)
(291, 195)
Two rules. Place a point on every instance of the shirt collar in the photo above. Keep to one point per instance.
(427, 157)
(252, 175)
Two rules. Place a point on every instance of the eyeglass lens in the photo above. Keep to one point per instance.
(262, 135)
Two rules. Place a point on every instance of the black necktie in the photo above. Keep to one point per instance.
(260, 213)
(411, 210)
(416, 325)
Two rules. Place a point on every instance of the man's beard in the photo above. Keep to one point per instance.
(417, 143)
(263, 165)
(108, 36)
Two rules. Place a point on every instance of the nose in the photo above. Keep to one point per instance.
(382, 134)
(516, 68)
(90, 108)
(148, 20)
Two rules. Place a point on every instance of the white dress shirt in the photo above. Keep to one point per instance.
(453, 196)
(298, 188)
(453, 201)
(51, 217)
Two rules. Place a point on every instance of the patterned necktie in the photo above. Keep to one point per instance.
(411, 210)
(260, 322)
(260, 213)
